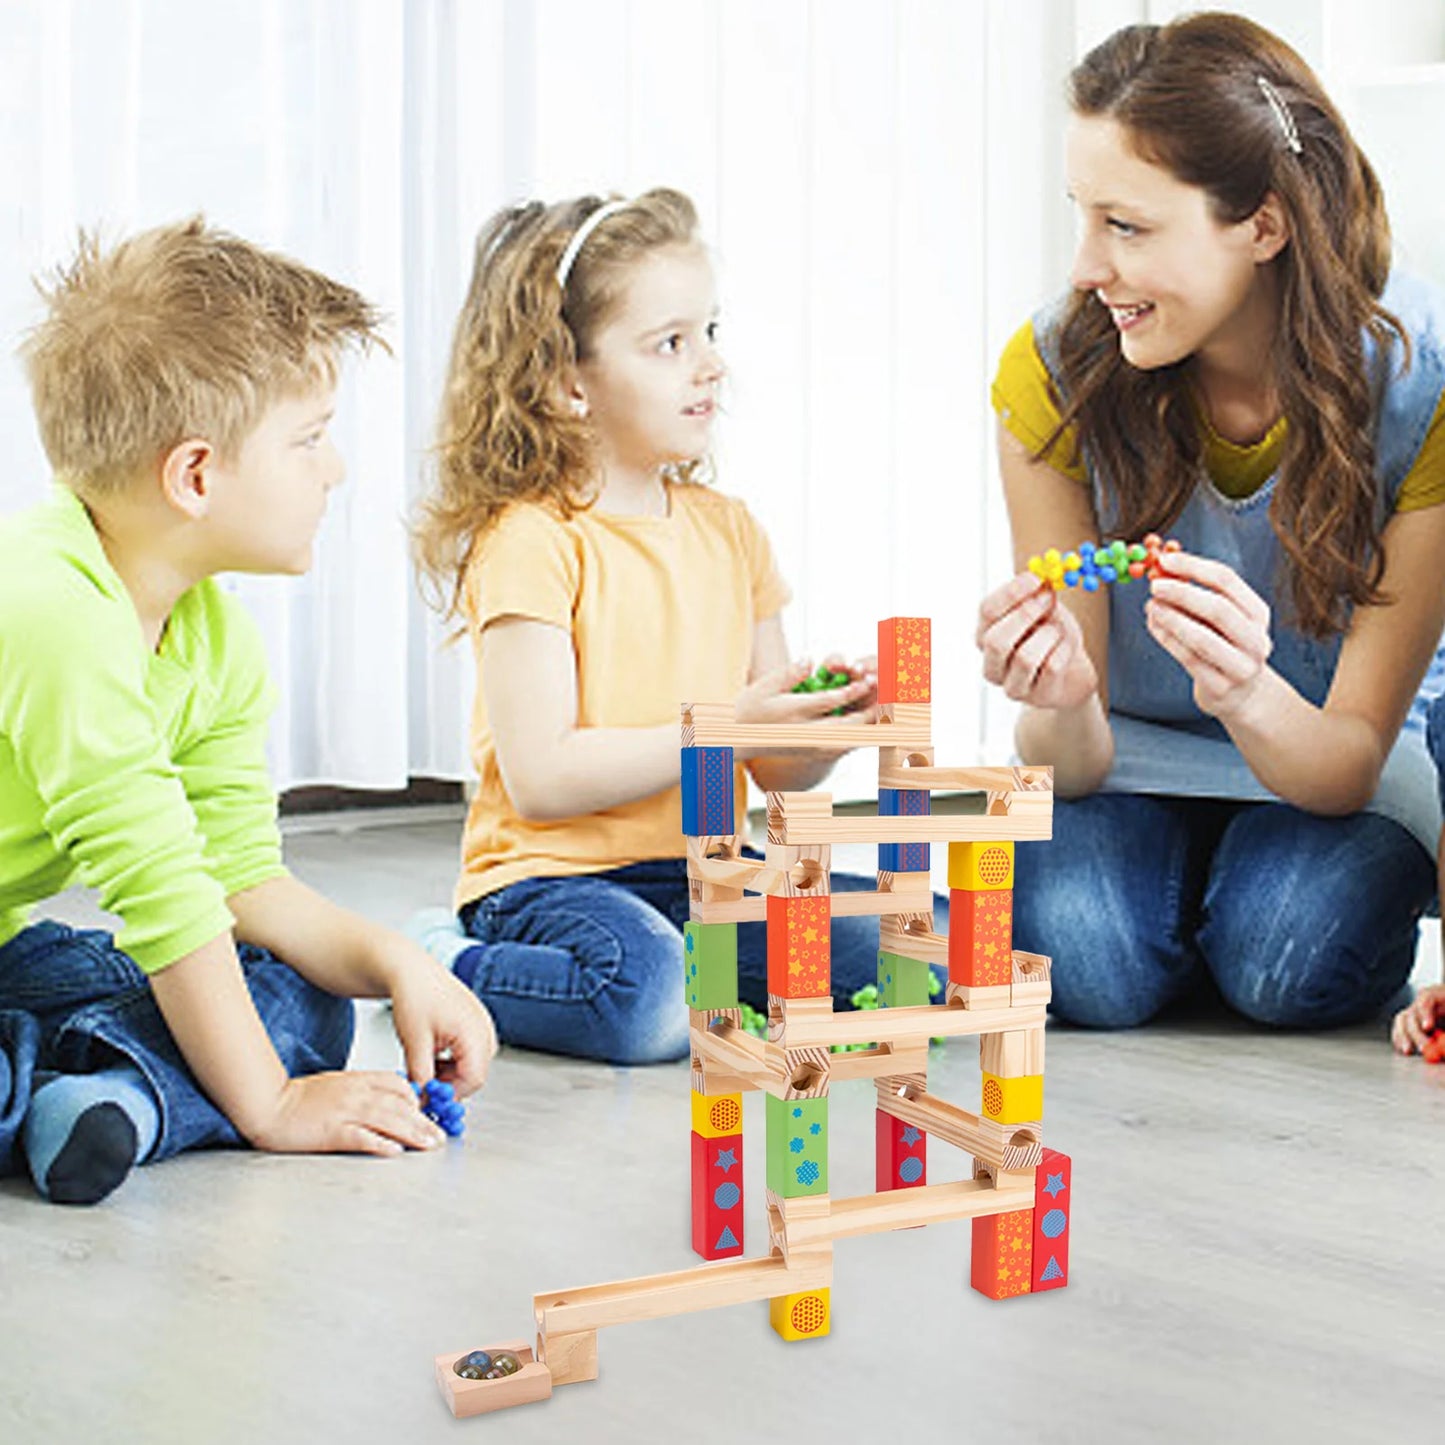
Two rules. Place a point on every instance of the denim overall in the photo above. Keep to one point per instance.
(1163, 744)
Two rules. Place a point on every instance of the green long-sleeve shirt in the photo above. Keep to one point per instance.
(141, 774)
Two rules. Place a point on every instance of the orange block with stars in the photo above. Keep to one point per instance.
(980, 936)
(1003, 1254)
(799, 957)
(905, 660)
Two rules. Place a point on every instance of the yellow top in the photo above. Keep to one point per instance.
(661, 611)
(1023, 403)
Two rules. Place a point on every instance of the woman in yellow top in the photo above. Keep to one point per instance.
(1237, 366)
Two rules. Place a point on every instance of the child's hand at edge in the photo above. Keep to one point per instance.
(771, 699)
(1410, 1031)
(444, 1028)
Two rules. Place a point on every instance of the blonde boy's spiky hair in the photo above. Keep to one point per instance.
(182, 331)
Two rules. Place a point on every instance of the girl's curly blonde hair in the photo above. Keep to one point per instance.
(507, 431)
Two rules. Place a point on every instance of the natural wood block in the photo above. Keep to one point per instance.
(571, 1357)
(717, 1195)
(905, 660)
(975, 867)
(1012, 1054)
(972, 997)
(465, 1398)
(1031, 978)
(800, 871)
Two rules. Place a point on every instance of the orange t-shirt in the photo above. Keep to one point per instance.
(661, 611)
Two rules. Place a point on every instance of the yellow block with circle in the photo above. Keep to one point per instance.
(1013, 1101)
(806, 1316)
(715, 1116)
(981, 867)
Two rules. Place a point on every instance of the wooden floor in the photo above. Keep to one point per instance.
(1256, 1257)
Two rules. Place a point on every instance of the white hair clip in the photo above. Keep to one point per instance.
(580, 235)
(1282, 115)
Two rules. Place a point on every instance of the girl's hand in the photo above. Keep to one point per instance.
(771, 699)
(1411, 1030)
(1215, 626)
(1033, 646)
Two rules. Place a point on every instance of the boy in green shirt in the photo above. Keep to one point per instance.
(182, 382)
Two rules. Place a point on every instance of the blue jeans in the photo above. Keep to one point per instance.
(592, 965)
(71, 1001)
(1300, 921)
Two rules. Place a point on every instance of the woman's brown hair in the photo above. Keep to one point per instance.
(1189, 97)
(507, 431)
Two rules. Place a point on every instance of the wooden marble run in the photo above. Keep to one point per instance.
(1020, 1194)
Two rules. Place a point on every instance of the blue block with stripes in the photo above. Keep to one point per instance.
(707, 792)
(904, 803)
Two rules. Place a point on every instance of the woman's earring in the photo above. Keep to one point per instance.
(579, 407)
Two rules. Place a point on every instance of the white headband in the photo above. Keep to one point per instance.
(580, 235)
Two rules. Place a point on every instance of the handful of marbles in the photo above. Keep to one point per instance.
(1117, 561)
(487, 1365)
(825, 679)
(440, 1104)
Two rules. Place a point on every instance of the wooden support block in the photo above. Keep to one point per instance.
(716, 868)
(804, 1073)
(1009, 1148)
(1013, 1101)
(571, 1357)
(911, 935)
(797, 1146)
(1053, 1208)
(1002, 1146)
(1002, 1263)
(717, 1195)
(801, 871)
(1013, 1054)
(989, 997)
(975, 867)
(715, 724)
(466, 1398)
(710, 965)
(900, 1153)
(788, 1218)
(902, 982)
(705, 1018)
(798, 1014)
(717, 1116)
(709, 786)
(980, 937)
(725, 1050)
(903, 857)
(799, 960)
(1032, 979)
(905, 660)
(805, 1316)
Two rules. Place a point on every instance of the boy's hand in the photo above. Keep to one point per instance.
(1412, 1027)
(444, 1028)
(346, 1113)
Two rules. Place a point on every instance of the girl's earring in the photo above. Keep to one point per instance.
(579, 407)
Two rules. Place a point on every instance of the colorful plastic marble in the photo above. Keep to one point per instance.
(1093, 566)
(440, 1104)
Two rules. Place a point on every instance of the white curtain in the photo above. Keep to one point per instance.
(881, 181)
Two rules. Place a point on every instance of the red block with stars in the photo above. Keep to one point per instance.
(905, 660)
(1003, 1254)
(980, 936)
(1053, 1206)
(799, 956)
(717, 1195)
(901, 1154)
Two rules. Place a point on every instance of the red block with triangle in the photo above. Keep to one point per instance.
(717, 1195)
(1053, 1207)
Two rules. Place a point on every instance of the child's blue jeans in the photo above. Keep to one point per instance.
(1300, 921)
(592, 965)
(71, 1001)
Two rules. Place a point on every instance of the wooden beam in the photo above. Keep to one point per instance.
(970, 780)
(651, 1297)
(914, 1025)
(948, 828)
(715, 725)
(1003, 1146)
(905, 1209)
(864, 903)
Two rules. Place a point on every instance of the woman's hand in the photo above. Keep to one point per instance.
(1215, 626)
(1033, 647)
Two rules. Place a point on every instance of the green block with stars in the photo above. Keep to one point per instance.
(902, 982)
(797, 1146)
(710, 964)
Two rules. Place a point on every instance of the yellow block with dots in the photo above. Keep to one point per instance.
(981, 867)
(802, 1316)
(715, 1116)
(1013, 1101)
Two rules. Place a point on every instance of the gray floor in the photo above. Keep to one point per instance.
(1255, 1257)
